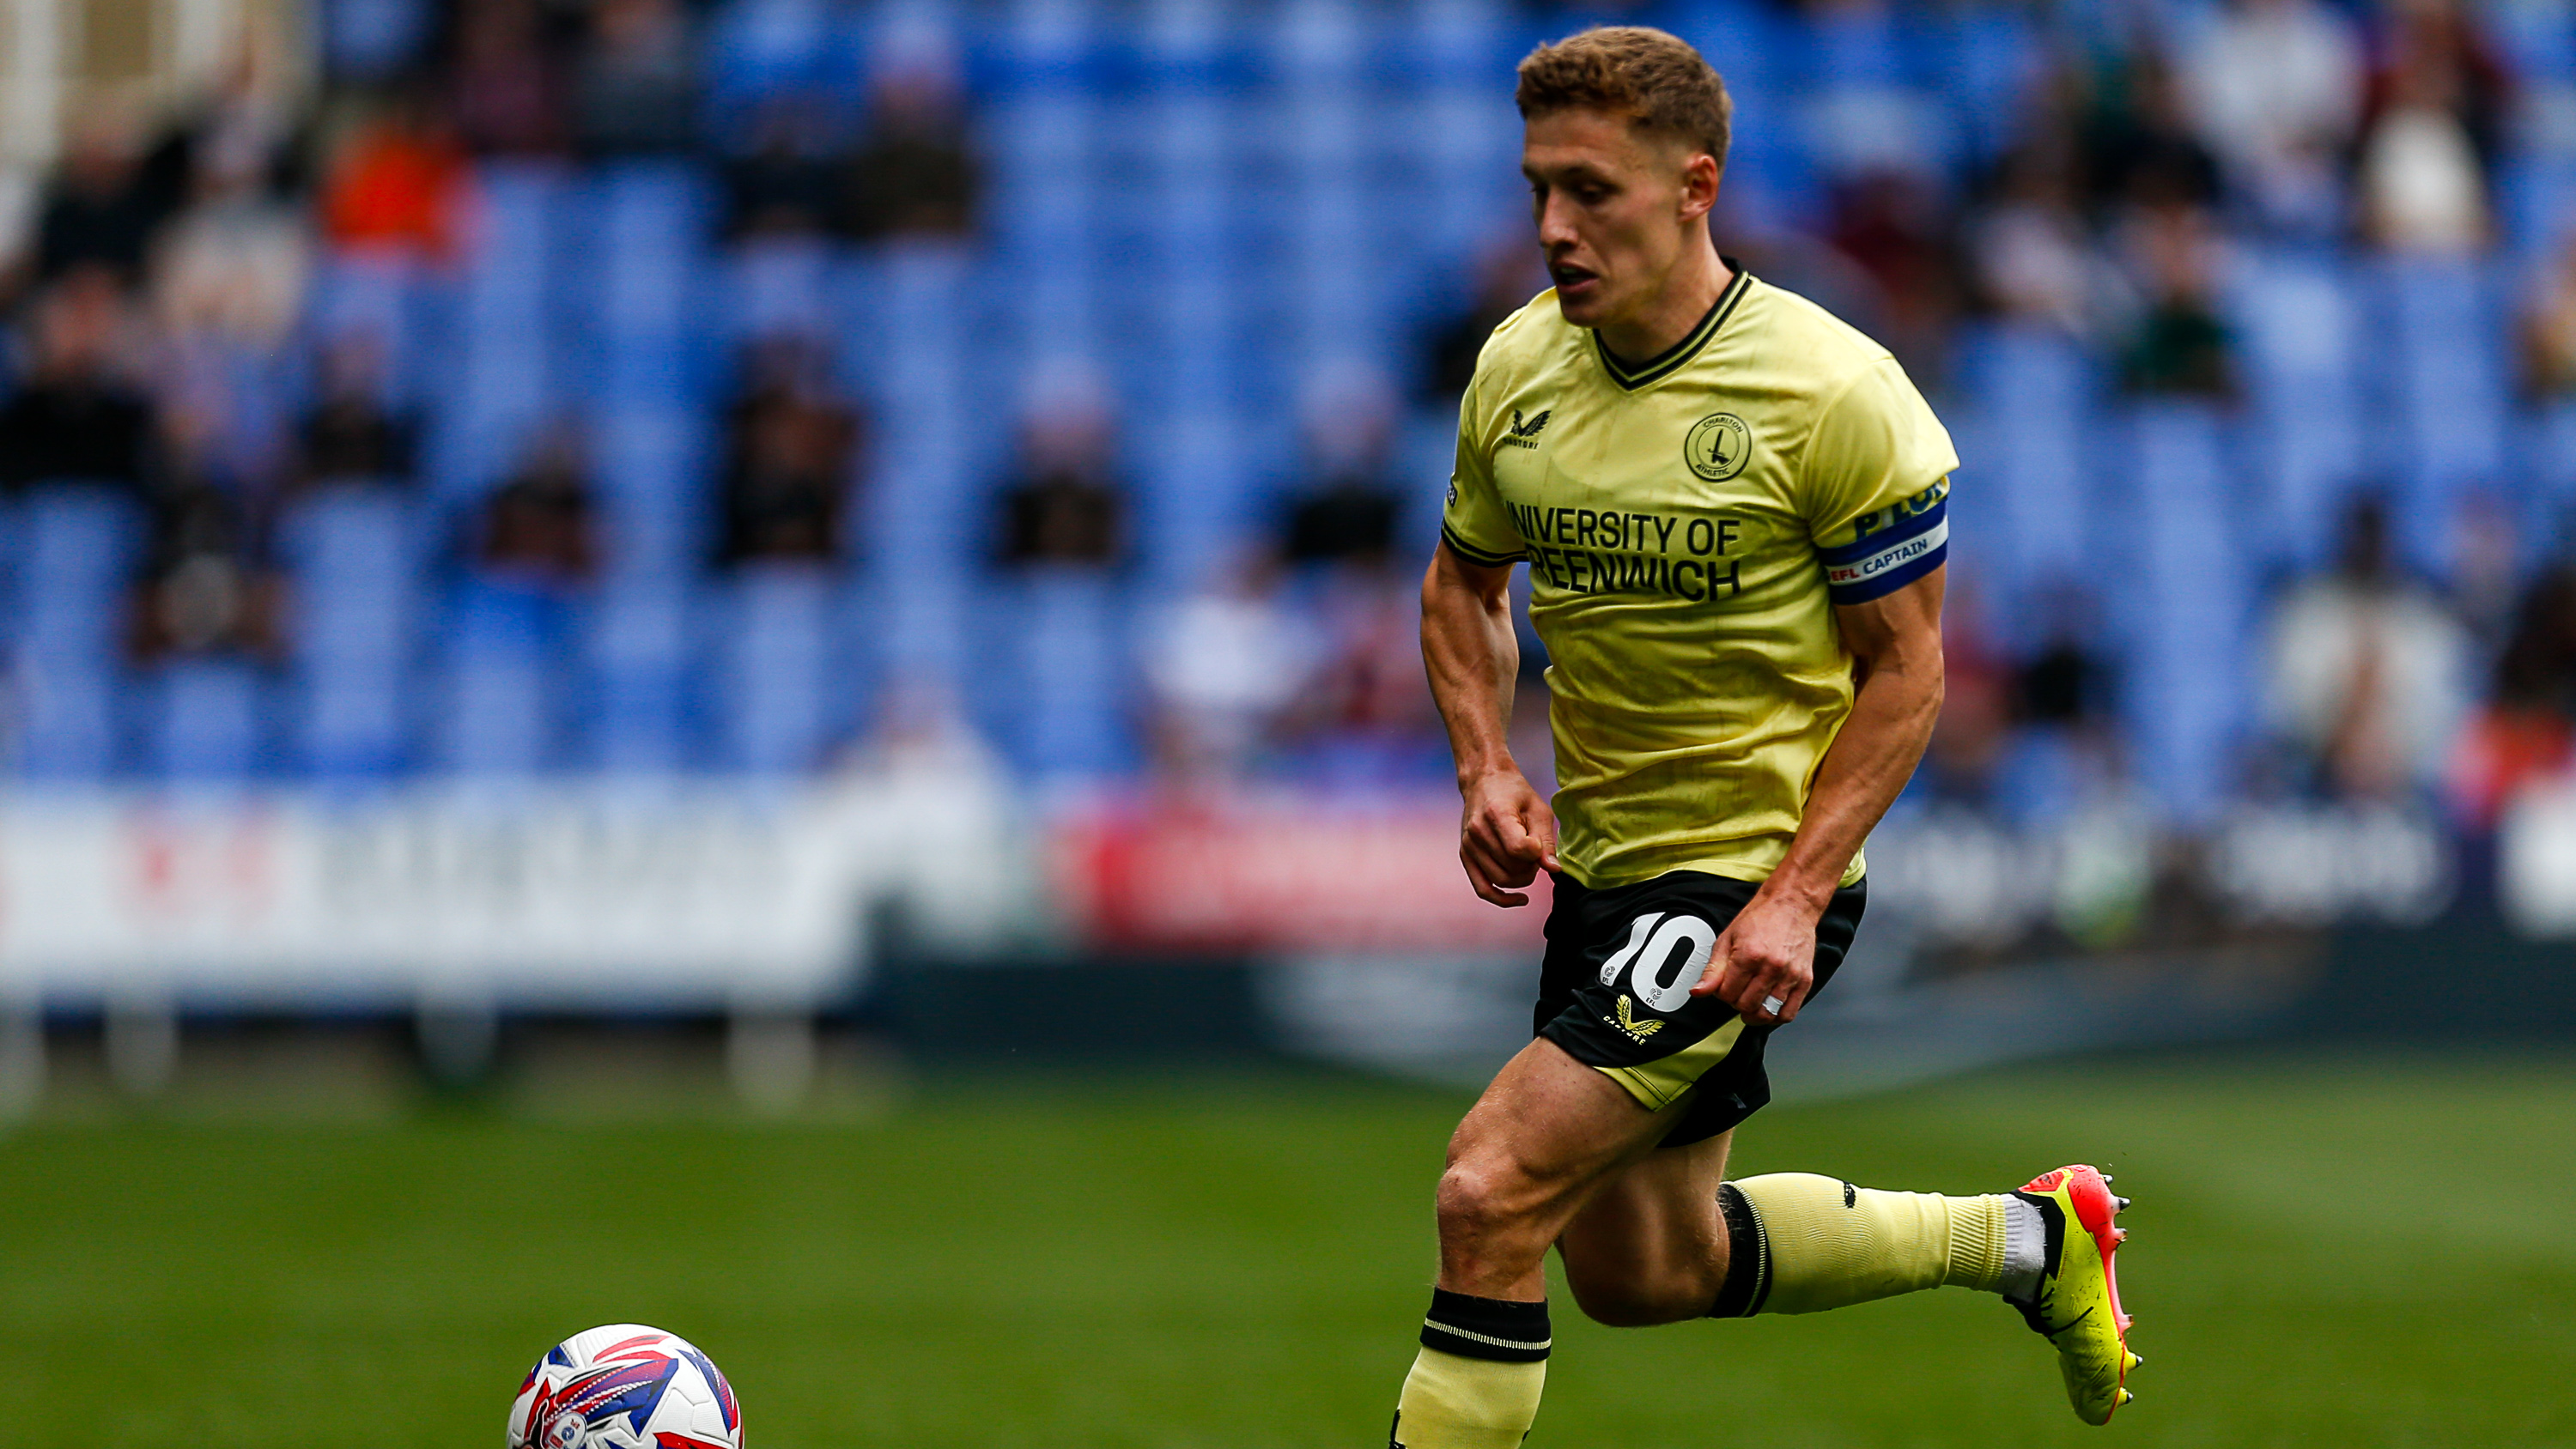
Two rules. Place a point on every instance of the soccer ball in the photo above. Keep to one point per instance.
(625, 1386)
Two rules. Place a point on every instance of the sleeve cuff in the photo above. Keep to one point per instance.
(1473, 554)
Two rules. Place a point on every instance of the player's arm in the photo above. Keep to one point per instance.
(1506, 833)
(1769, 951)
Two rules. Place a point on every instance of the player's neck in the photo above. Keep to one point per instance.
(1697, 281)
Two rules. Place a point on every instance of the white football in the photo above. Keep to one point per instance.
(625, 1386)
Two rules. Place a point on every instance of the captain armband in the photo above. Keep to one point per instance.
(1904, 547)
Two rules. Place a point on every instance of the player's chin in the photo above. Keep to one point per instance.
(1579, 297)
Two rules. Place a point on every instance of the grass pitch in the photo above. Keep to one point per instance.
(2325, 1253)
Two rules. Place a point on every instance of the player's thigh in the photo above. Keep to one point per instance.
(1648, 1246)
(1546, 1133)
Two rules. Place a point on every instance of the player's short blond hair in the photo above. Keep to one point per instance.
(1656, 80)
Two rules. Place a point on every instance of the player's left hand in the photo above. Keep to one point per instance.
(1766, 954)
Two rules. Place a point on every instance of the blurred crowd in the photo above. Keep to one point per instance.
(2085, 191)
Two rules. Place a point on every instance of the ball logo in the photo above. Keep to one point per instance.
(564, 1431)
(1718, 447)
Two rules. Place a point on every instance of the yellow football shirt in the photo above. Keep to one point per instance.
(1689, 523)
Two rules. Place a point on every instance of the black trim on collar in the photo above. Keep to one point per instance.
(1672, 359)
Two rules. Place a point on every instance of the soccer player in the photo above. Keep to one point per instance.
(1733, 509)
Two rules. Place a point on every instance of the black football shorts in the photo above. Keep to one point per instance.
(1614, 991)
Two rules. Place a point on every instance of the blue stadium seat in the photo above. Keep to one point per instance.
(2300, 332)
(651, 466)
(761, 47)
(505, 384)
(641, 661)
(650, 219)
(354, 554)
(2447, 396)
(67, 705)
(381, 298)
(2185, 604)
(498, 713)
(1070, 662)
(778, 658)
(783, 286)
(74, 557)
(2037, 390)
(207, 721)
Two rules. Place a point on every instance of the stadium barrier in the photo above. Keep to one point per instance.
(1346, 919)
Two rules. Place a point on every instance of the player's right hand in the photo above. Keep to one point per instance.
(1506, 837)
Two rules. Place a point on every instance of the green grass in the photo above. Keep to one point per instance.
(2325, 1253)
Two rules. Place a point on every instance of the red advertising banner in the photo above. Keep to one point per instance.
(1277, 875)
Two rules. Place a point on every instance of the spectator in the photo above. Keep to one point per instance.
(396, 185)
(635, 90)
(204, 592)
(1508, 273)
(912, 175)
(2363, 673)
(108, 198)
(231, 269)
(351, 438)
(782, 186)
(536, 533)
(1974, 732)
(74, 419)
(1365, 716)
(2142, 147)
(1225, 671)
(1347, 513)
(790, 447)
(1893, 226)
(2549, 328)
(1068, 507)
(2527, 728)
(2032, 256)
(2433, 130)
(506, 86)
(2179, 345)
(2276, 87)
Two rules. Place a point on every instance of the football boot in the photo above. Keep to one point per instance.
(2077, 1308)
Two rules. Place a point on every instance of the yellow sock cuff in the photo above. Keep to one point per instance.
(1976, 1242)
(1451, 1402)
(1833, 1244)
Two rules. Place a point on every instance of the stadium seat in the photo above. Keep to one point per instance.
(2036, 388)
(207, 721)
(2447, 395)
(2185, 610)
(2295, 313)
(353, 556)
(503, 681)
(505, 385)
(777, 661)
(650, 465)
(1069, 657)
(782, 285)
(642, 664)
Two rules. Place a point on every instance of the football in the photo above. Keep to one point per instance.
(625, 1386)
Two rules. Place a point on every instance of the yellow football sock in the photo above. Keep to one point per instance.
(1476, 1383)
(1466, 1403)
(1832, 1244)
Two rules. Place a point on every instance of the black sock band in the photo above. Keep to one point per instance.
(1748, 1257)
(1486, 1328)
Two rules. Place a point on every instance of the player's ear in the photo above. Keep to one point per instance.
(1699, 186)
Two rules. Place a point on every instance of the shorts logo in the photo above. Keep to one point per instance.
(1655, 974)
(1718, 447)
(1636, 1030)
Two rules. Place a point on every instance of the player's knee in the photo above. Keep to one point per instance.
(1478, 1206)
